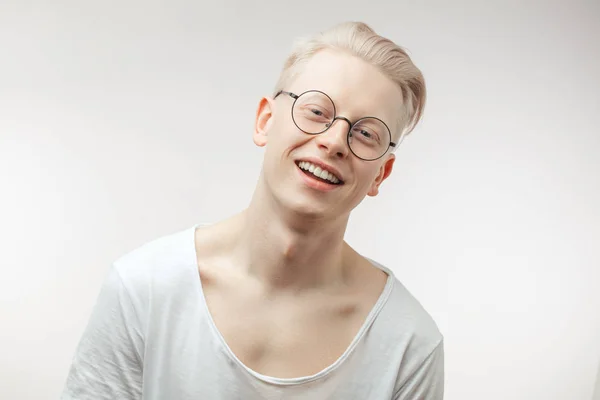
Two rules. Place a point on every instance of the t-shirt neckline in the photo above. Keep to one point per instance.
(383, 297)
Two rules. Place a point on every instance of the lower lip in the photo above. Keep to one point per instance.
(316, 184)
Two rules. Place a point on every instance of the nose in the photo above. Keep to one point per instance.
(334, 139)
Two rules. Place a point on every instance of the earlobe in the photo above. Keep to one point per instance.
(384, 173)
(263, 122)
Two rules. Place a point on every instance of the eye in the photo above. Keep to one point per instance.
(366, 134)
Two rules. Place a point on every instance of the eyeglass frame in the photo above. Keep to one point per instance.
(336, 117)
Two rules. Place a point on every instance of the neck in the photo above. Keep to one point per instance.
(288, 251)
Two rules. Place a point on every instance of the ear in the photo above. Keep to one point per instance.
(384, 172)
(264, 119)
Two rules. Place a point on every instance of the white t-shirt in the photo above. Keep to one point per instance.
(150, 336)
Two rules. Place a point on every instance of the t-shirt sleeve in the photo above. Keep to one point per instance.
(427, 382)
(108, 359)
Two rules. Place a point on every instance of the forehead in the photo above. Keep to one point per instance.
(358, 88)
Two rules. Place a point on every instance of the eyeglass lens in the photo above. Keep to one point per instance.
(314, 112)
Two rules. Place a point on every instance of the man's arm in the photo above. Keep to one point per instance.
(427, 382)
(109, 357)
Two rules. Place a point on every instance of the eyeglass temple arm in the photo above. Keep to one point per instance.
(292, 95)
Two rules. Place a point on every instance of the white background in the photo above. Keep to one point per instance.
(124, 121)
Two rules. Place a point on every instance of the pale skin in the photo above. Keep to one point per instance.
(285, 290)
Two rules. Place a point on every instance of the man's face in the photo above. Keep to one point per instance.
(358, 90)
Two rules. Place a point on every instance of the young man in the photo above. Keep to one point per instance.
(272, 303)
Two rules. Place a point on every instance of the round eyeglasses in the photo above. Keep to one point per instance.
(313, 112)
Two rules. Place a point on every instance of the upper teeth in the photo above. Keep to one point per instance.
(318, 171)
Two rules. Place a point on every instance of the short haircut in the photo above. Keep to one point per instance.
(359, 40)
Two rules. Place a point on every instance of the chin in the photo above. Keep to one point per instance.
(300, 206)
(297, 199)
(306, 209)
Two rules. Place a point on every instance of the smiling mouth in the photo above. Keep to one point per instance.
(318, 173)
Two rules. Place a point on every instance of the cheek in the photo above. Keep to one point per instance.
(281, 145)
(285, 138)
(365, 182)
(366, 176)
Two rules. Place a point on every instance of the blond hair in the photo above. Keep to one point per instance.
(358, 39)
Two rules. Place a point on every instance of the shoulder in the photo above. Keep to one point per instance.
(109, 357)
(414, 346)
(406, 323)
(158, 261)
